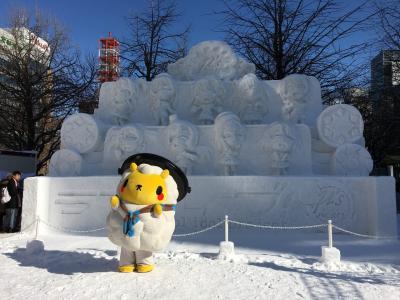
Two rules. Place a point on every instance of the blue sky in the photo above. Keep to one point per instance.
(88, 20)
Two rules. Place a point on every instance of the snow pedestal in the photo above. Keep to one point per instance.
(35, 247)
(330, 254)
(226, 250)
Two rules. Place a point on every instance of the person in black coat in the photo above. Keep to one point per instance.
(12, 206)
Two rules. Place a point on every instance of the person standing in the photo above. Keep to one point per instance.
(14, 204)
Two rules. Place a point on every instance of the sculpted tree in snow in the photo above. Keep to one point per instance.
(154, 42)
(283, 37)
(42, 80)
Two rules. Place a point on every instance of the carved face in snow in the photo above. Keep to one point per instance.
(208, 91)
(162, 89)
(122, 142)
(182, 136)
(229, 132)
(253, 108)
(294, 89)
(144, 189)
(118, 99)
(279, 143)
(232, 135)
(123, 102)
(179, 141)
(130, 138)
(254, 111)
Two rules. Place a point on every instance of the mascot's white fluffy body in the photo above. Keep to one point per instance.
(150, 233)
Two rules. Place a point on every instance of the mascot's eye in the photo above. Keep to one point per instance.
(159, 190)
(139, 187)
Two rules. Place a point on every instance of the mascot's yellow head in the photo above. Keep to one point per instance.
(144, 189)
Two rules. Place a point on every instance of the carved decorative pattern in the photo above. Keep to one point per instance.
(334, 203)
(80, 132)
(352, 159)
(65, 162)
(340, 124)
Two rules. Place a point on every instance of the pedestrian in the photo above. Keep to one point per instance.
(12, 207)
(3, 184)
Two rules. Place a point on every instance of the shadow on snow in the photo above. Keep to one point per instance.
(66, 262)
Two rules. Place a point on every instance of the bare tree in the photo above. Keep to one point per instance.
(382, 127)
(42, 79)
(311, 37)
(389, 20)
(153, 43)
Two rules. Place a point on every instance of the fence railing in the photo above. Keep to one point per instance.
(38, 221)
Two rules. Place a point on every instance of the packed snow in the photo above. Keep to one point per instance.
(266, 265)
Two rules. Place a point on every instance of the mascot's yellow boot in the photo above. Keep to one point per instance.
(144, 268)
(126, 269)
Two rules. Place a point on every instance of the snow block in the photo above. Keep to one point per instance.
(35, 247)
(226, 250)
(330, 254)
(364, 205)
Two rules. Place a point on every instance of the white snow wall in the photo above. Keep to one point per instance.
(361, 204)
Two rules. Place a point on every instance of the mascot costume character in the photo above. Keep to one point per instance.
(142, 217)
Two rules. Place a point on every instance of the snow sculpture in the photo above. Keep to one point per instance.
(183, 138)
(288, 148)
(65, 162)
(229, 136)
(162, 97)
(278, 145)
(122, 142)
(207, 103)
(294, 91)
(353, 160)
(340, 124)
(118, 99)
(210, 58)
(254, 108)
(81, 132)
(209, 81)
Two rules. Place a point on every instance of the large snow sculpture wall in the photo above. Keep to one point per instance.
(361, 204)
(211, 115)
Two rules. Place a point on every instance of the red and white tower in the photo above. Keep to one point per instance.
(108, 59)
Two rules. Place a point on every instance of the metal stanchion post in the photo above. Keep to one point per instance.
(330, 239)
(226, 228)
(37, 227)
(330, 253)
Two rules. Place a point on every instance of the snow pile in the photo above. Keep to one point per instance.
(210, 58)
(330, 254)
(226, 251)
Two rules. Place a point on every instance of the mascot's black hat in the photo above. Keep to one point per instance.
(152, 159)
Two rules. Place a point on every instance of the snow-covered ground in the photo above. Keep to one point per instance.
(268, 265)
